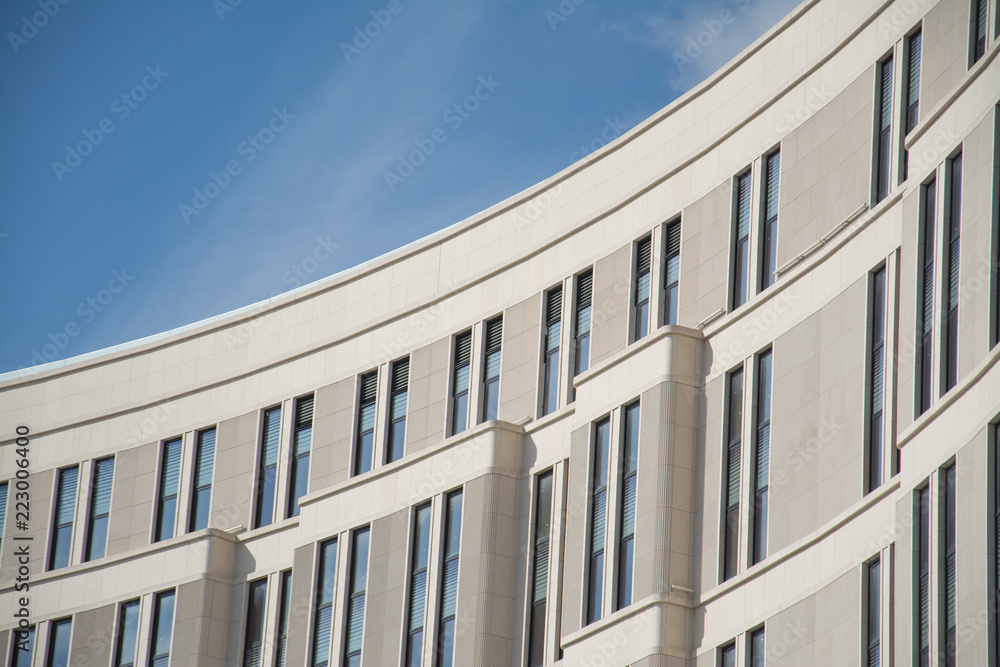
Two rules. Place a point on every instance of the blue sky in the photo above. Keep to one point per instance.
(167, 162)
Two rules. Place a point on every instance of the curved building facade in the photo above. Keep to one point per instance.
(723, 393)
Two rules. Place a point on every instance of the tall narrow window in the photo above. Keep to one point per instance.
(298, 478)
(629, 480)
(978, 29)
(873, 614)
(761, 458)
(204, 468)
(581, 351)
(416, 615)
(22, 647)
(640, 314)
(267, 478)
(996, 534)
(324, 604)
(3, 511)
(460, 383)
(62, 531)
(100, 508)
(358, 586)
(922, 575)
(170, 476)
(756, 657)
(491, 369)
(877, 380)
(398, 393)
(731, 529)
(553, 333)
(949, 591)
(449, 579)
(951, 285)
(286, 592)
(911, 91)
(254, 638)
(366, 423)
(540, 571)
(741, 241)
(925, 303)
(769, 229)
(128, 633)
(598, 520)
(671, 272)
(163, 630)
(727, 655)
(59, 634)
(884, 127)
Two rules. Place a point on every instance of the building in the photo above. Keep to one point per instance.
(723, 393)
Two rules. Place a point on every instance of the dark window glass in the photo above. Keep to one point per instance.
(598, 519)
(128, 633)
(298, 478)
(366, 423)
(100, 508)
(581, 325)
(626, 519)
(491, 369)
(204, 469)
(877, 380)
(979, 29)
(170, 477)
(762, 458)
(727, 656)
(3, 511)
(949, 574)
(922, 571)
(398, 393)
(671, 272)
(640, 316)
(540, 571)
(163, 630)
(731, 484)
(22, 647)
(416, 615)
(254, 641)
(553, 334)
(62, 531)
(884, 139)
(449, 580)
(286, 590)
(460, 383)
(925, 303)
(769, 228)
(268, 473)
(324, 604)
(757, 648)
(996, 534)
(741, 241)
(59, 634)
(951, 277)
(874, 611)
(911, 92)
(357, 588)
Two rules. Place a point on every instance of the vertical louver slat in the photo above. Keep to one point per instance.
(885, 109)
(743, 207)
(400, 375)
(369, 387)
(673, 243)
(304, 412)
(494, 335)
(553, 306)
(873, 658)
(66, 508)
(449, 596)
(418, 600)
(733, 495)
(103, 481)
(205, 463)
(913, 85)
(324, 624)
(541, 574)
(763, 455)
(355, 623)
(600, 520)
(773, 180)
(171, 468)
(3, 508)
(269, 447)
(628, 506)
(584, 287)
(643, 256)
(463, 349)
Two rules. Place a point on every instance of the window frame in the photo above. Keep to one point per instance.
(368, 390)
(92, 515)
(395, 374)
(552, 331)
(197, 488)
(63, 530)
(263, 466)
(456, 395)
(739, 256)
